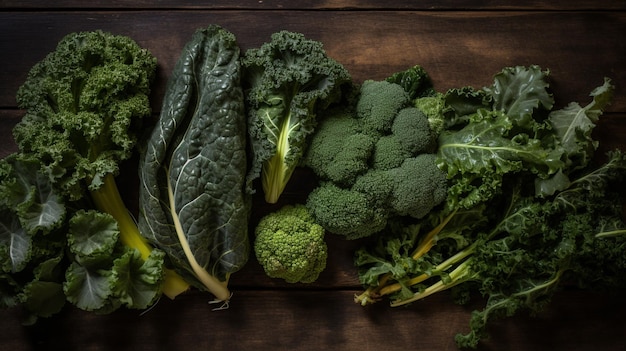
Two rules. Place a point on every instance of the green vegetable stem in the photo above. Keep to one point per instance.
(107, 199)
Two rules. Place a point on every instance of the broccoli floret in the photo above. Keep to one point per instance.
(330, 138)
(388, 153)
(352, 159)
(378, 105)
(345, 211)
(377, 186)
(412, 129)
(340, 152)
(419, 186)
(290, 245)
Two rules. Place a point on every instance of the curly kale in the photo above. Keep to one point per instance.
(83, 105)
(288, 80)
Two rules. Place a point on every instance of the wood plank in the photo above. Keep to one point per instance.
(457, 48)
(429, 5)
(322, 320)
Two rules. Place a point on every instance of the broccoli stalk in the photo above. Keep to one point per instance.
(289, 80)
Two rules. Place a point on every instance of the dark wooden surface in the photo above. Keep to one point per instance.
(458, 42)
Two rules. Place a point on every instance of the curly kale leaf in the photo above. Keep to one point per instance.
(288, 80)
(83, 105)
(506, 133)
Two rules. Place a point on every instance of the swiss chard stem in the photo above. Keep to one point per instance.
(428, 242)
(443, 266)
(107, 199)
(611, 233)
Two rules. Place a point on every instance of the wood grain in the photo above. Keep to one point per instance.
(456, 48)
(431, 5)
(322, 320)
(458, 42)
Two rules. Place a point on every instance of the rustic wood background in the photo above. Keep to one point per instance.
(458, 42)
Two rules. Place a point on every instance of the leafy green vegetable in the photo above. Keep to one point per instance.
(290, 245)
(104, 273)
(526, 208)
(193, 202)
(84, 102)
(288, 80)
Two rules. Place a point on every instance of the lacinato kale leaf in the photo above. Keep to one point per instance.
(193, 202)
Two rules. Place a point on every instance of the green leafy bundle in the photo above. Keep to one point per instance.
(526, 208)
(65, 232)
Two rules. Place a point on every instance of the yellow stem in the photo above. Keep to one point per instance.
(373, 294)
(107, 199)
(428, 242)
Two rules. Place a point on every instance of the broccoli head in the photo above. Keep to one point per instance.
(376, 159)
(290, 245)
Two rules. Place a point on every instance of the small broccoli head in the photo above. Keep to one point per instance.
(345, 212)
(419, 186)
(378, 105)
(290, 245)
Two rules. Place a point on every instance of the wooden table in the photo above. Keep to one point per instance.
(458, 42)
